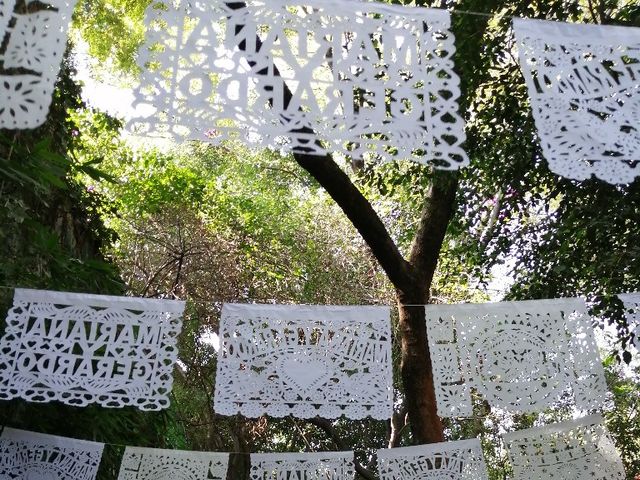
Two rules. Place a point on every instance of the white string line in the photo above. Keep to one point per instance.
(267, 301)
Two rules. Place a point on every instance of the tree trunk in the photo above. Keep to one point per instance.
(240, 459)
(417, 374)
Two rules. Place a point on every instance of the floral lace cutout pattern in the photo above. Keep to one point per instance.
(363, 79)
(81, 349)
(29, 455)
(30, 60)
(574, 449)
(304, 361)
(461, 460)
(519, 356)
(585, 94)
(310, 466)
(158, 464)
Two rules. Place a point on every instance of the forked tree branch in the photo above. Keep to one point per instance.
(435, 217)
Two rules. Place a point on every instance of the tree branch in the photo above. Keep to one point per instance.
(398, 425)
(327, 427)
(434, 220)
(361, 214)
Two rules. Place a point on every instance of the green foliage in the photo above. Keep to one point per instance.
(51, 232)
(113, 29)
(622, 419)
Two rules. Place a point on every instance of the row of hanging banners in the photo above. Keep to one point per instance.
(361, 79)
(309, 361)
(566, 451)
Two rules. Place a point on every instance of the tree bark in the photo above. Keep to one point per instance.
(415, 366)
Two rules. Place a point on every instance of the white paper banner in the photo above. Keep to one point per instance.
(81, 349)
(158, 464)
(461, 460)
(36, 43)
(35, 456)
(569, 450)
(520, 356)
(584, 84)
(367, 79)
(307, 466)
(304, 361)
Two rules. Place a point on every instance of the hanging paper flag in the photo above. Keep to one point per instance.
(157, 464)
(519, 356)
(36, 41)
(569, 450)
(584, 85)
(461, 460)
(304, 361)
(363, 79)
(632, 307)
(28, 455)
(81, 349)
(310, 466)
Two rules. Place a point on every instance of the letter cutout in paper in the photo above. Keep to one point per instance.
(461, 460)
(80, 349)
(310, 466)
(519, 356)
(29, 455)
(158, 464)
(584, 85)
(36, 42)
(569, 450)
(367, 80)
(304, 361)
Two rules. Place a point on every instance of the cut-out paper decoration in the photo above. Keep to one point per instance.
(28, 455)
(632, 311)
(307, 466)
(363, 79)
(461, 460)
(568, 450)
(304, 361)
(158, 464)
(519, 356)
(81, 349)
(36, 41)
(584, 85)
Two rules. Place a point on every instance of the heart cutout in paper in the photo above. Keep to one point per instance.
(304, 373)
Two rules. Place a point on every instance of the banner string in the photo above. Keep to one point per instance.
(269, 301)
